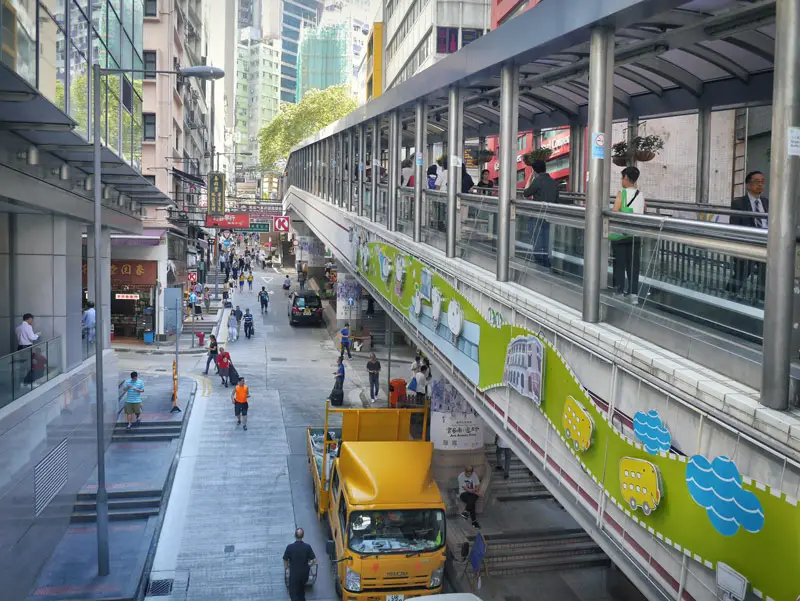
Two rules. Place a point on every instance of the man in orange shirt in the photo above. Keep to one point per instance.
(239, 398)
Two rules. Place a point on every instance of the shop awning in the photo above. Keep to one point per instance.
(149, 237)
(188, 177)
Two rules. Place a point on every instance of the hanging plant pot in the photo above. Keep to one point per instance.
(620, 161)
(538, 154)
(643, 156)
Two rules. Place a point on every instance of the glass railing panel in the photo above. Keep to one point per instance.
(382, 208)
(367, 207)
(6, 380)
(405, 211)
(54, 366)
(434, 218)
(476, 240)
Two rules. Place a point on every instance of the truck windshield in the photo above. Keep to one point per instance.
(401, 531)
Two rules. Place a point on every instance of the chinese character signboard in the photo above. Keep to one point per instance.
(260, 227)
(454, 424)
(232, 221)
(216, 193)
(124, 271)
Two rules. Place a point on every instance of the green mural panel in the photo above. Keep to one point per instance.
(769, 558)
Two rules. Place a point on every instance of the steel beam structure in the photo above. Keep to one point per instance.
(703, 154)
(375, 171)
(455, 126)
(784, 181)
(509, 117)
(601, 69)
(362, 157)
(394, 169)
(420, 143)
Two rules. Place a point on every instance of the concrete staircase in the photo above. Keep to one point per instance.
(529, 551)
(520, 485)
(157, 431)
(122, 506)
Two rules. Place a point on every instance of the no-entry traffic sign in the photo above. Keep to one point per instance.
(280, 224)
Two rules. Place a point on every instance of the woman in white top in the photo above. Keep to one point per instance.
(422, 381)
(627, 250)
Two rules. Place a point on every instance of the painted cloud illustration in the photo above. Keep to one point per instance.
(717, 487)
(651, 432)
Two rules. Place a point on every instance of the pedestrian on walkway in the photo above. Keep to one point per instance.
(241, 282)
(345, 341)
(213, 351)
(469, 492)
(503, 456)
(250, 280)
(374, 371)
(248, 323)
(233, 327)
(26, 337)
(301, 279)
(89, 322)
(418, 384)
(298, 559)
(239, 316)
(133, 389)
(235, 271)
(207, 299)
(239, 398)
(415, 365)
(339, 374)
(224, 365)
(263, 299)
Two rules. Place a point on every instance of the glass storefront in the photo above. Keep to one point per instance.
(73, 34)
(132, 310)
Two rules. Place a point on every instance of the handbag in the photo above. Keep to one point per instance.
(233, 375)
(412, 385)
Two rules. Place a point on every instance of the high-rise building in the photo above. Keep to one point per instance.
(257, 98)
(370, 69)
(330, 54)
(295, 15)
(503, 10)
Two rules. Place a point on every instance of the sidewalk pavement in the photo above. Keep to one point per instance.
(139, 471)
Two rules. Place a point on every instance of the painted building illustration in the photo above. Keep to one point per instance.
(524, 365)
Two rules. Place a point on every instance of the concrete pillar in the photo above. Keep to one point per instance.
(104, 298)
(46, 280)
(7, 312)
(601, 70)
(455, 125)
(348, 301)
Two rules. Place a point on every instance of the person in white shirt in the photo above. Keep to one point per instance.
(753, 201)
(469, 492)
(421, 382)
(89, 321)
(441, 180)
(415, 365)
(406, 172)
(503, 454)
(26, 337)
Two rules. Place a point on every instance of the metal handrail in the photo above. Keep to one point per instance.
(23, 379)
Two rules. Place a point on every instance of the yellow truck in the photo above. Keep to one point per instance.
(374, 486)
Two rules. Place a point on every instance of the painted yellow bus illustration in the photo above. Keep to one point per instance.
(640, 483)
(578, 424)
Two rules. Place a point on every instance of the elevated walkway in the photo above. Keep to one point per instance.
(706, 412)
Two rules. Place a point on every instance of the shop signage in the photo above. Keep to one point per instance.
(235, 221)
(192, 276)
(260, 227)
(216, 193)
(126, 296)
(124, 271)
(281, 224)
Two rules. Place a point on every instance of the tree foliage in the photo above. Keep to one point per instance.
(295, 122)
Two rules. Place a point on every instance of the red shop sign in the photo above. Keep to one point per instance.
(235, 221)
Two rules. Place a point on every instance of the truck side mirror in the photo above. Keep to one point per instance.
(330, 548)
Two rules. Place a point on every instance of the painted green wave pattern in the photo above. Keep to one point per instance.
(770, 558)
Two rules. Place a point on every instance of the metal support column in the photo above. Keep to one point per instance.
(362, 157)
(455, 126)
(703, 154)
(630, 134)
(347, 171)
(329, 159)
(509, 118)
(601, 69)
(340, 169)
(780, 316)
(420, 143)
(375, 171)
(394, 170)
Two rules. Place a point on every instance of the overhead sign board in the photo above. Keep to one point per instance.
(216, 194)
(233, 221)
(281, 224)
(260, 227)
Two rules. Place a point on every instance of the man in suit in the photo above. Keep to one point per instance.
(753, 202)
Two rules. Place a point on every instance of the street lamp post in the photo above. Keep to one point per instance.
(201, 72)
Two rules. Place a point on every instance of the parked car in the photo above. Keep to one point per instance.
(305, 306)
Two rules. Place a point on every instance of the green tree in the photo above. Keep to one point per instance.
(295, 122)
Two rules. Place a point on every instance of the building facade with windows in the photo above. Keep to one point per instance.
(369, 80)
(295, 15)
(417, 33)
(48, 261)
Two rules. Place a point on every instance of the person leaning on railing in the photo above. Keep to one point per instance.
(627, 249)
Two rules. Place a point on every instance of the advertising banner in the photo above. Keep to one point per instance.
(454, 424)
(216, 193)
(234, 221)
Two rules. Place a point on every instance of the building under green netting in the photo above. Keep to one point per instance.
(322, 58)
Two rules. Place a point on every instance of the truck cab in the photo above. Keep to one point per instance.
(384, 510)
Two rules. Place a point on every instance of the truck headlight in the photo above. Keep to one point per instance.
(352, 580)
(436, 578)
